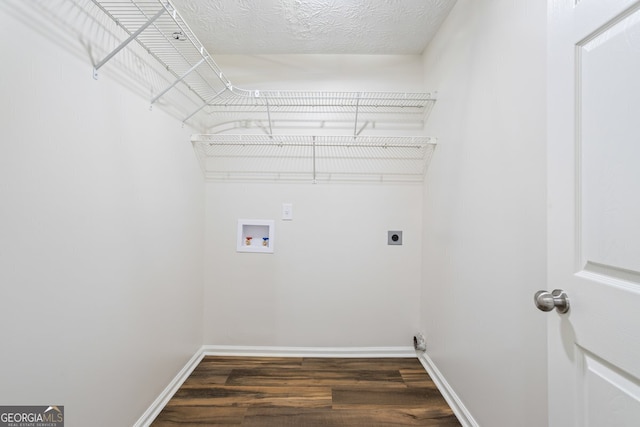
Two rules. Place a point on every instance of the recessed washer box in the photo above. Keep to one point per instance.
(255, 235)
(394, 237)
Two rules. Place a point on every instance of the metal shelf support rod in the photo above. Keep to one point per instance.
(361, 129)
(314, 160)
(178, 80)
(127, 41)
(355, 125)
(205, 104)
(301, 144)
(269, 117)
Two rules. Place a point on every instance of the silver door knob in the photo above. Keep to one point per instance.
(547, 301)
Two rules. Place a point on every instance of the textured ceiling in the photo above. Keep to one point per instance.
(314, 26)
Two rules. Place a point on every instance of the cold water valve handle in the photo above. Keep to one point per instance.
(547, 301)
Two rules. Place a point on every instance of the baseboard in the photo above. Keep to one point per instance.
(264, 351)
(461, 412)
(156, 407)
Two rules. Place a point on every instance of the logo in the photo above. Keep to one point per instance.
(32, 416)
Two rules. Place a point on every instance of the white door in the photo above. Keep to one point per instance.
(594, 211)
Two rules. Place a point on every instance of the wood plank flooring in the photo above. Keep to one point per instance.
(307, 392)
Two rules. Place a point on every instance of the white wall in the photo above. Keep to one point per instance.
(332, 280)
(101, 238)
(484, 212)
(352, 73)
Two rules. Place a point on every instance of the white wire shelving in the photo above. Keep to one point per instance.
(160, 29)
(149, 47)
(383, 159)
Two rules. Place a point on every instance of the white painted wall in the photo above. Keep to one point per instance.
(484, 212)
(332, 280)
(352, 73)
(101, 238)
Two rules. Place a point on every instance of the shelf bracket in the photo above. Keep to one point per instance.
(361, 129)
(355, 125)
(178, 80)
(127, 41)
(205, 104)
(269, 117)
(314, 160)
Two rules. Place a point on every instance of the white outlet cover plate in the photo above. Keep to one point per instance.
(287, 211)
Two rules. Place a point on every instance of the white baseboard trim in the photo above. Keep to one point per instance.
(264, 351)
(156, 407)
(461, 412)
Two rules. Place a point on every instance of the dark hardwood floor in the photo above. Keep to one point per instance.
(307, 392)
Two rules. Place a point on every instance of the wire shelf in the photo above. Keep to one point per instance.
(168, 64)
(313, 158)
(161, 31)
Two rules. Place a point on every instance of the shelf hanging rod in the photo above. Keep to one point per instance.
(316, 144)
(355, 125)
(127, 41)
(281, 102)
(314, 160)
(178, 80)
(361, 129)
(205, 104)
(269, 117)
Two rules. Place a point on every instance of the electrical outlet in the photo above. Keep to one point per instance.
(394, 237)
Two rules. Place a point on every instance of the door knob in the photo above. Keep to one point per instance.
(547, 301)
